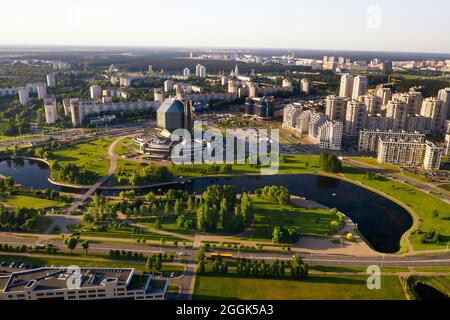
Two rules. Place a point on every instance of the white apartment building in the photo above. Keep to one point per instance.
(435, 110)
(41, 90)
(53, 283)
(50, 111)
(186, 72)
(397, 111)
(76, 112)
(168, 86)
(401, 152)
(378, 122)
(346, 88)
(355, 119)
(336, 108)
(291, 112)
(23, 95)
(412, 99)
(51, 79)
(305, 86)
(330, 135)
(200, 71)
(316, 120)
(4, 92)
(433, 156)
(158, 95)
(369, 139)
(96, 92)
(373, 103)
(359, 87)
(384, 93)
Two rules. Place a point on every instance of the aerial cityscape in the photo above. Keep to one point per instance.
(167, 171)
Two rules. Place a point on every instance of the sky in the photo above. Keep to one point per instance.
(377, 25)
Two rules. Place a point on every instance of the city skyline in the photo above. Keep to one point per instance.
(353, 25)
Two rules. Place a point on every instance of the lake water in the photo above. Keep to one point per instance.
(381, 221)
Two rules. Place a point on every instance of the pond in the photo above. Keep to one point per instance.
(381, 221)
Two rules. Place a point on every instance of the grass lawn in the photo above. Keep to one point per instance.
(289, 164)
(87, 262)
(445, 186)
(308, 222)
(92, 156)
(125, 147)
(423, 204)
(391, 167)
(123, 233)
(30, 202)
(316, 287)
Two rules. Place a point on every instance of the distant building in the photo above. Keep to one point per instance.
(168, 86)
(359, 87)
(41, 90)
(23, 96)
(187, 73)
(346, 88)
(397, 110)
(305, 86)
(51, 79)
(66, 105)
(435, 110)
(200, 71)
(158, 95)
(76, 112)
(384, 93)
(96, 92)
(260, 107)
(170, 115)
(51, 114)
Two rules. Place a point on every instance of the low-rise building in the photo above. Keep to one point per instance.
(53, 283)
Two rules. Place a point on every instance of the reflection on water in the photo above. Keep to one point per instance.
(381, 221)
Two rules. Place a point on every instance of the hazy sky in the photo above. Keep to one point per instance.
(395, 25)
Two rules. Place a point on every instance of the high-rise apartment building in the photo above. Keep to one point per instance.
(51, 79)
(335, 108)
(76, 112)
(397, 111)
(435, 110)
(369, 139)
(346, 88)
(355, 119)
(51, 114)
(96, 92)
(200, 71)
(330, 135)
(373, 103)
(359, 87)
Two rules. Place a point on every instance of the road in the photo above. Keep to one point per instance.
(388, 260)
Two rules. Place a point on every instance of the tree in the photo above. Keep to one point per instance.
(149, 264)
(150, 197)
(200, 255)
(157, 224)
(85, 246)
(71, 243)
(201, 267)
(330, 162)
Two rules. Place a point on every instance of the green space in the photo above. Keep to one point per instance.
(22, 201)
(307, 222)
(390, 167)
(316, 287)
(125, 147)
(85, 262)
(425, 205)
(90, 157)
(445, 186)
(124, 232)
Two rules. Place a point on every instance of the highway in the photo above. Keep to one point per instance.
(188, 254)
